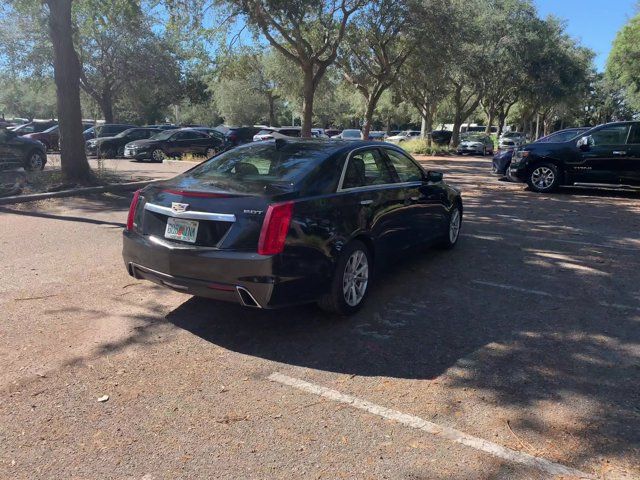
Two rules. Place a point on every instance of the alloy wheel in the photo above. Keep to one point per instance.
(454, 226)
(355, 278)
(157, 155)
(543, 177)
(35, 161)
(211, 152)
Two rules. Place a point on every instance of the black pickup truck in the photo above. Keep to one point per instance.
(605, 156)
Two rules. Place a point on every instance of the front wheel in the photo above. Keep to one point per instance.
(453, 231)
(544, 178)
(350, 283)
(35, 161)
(157, 155)
(211, 152)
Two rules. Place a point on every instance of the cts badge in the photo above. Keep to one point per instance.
(179, 207)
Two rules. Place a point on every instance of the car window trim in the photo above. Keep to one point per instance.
(404, 154)
(346, 163)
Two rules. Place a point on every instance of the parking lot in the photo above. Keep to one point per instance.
(515, 355)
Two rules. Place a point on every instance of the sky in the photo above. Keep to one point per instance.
(593, 22)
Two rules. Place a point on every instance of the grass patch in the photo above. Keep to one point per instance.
(420, 146)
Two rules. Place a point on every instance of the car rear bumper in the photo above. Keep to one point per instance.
(246, 278)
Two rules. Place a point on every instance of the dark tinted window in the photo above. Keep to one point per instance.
(289, 132)
(634, 137)
(406, 170)
(561, 137)
(189, 135)
(614, 135)
(366, 168)
(262, 162)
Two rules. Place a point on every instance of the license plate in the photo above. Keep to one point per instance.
(183, 230)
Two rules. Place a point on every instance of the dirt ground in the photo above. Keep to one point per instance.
(525, 336)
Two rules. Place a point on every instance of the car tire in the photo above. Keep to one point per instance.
(211, 152)
(454, 225)
(120, 152)
(348, 291)
(543, 178)
(35, 161)
(158, 155)
(484, 151)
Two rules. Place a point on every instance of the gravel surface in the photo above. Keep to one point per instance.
(527, 335)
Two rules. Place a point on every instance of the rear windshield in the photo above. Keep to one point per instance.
(262, 163)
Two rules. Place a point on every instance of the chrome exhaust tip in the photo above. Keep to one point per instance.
(246, 299)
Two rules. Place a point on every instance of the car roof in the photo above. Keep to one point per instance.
(333, 146)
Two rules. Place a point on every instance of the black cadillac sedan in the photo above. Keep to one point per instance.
(288, 221)
(111, 147)
(174, 143)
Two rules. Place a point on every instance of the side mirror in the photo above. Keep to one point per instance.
(585, 143)
(434, 177)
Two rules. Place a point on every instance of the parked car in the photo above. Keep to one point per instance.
(377, 135)
(17, 151)
(476, 144)
(173, 143)
(106, 130)
(33, 127)
(502, 159)
(163, 126)
(51, 136)
(287, 222)
(606, 156)
(112, 147)
(332, 132)
(512, 139)
(264, 134)
(349, 134)
(441, 137)
(294, 132)
(404, 136)
(212, 132)
(235, 136)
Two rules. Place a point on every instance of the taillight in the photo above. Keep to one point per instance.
(275, 228)
(132, 210)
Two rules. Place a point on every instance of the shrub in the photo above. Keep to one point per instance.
(420, 146)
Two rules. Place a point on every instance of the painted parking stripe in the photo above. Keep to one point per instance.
(498, 236)
(540, 293)
(520, 289)
(418, 423)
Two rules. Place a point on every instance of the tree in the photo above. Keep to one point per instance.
(623, 65)
(307, 32)
(257, 70)
(121, 57)
(377, 43)
(66, 65)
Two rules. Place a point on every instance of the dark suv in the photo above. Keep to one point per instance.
(606, 156)
(17, 151)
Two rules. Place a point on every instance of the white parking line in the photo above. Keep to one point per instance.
(520, 289)
(418, 423)
(498, 236)
(551, 295)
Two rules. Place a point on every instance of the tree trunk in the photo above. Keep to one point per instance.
(368, 115)
(66, 68)
(455, 136)
(272, 110)
(491, 117)
(308, 92)
(106, 105)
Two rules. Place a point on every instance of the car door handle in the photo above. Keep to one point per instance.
(619, 153)
(366, 202)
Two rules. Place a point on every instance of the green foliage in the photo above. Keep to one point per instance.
(623, 65)
(420, 146)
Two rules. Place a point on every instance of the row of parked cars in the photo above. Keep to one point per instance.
(604, 156)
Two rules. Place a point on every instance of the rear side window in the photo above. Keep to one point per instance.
(366, 168)
(634, 137)
(614, 135)
(406, 170)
